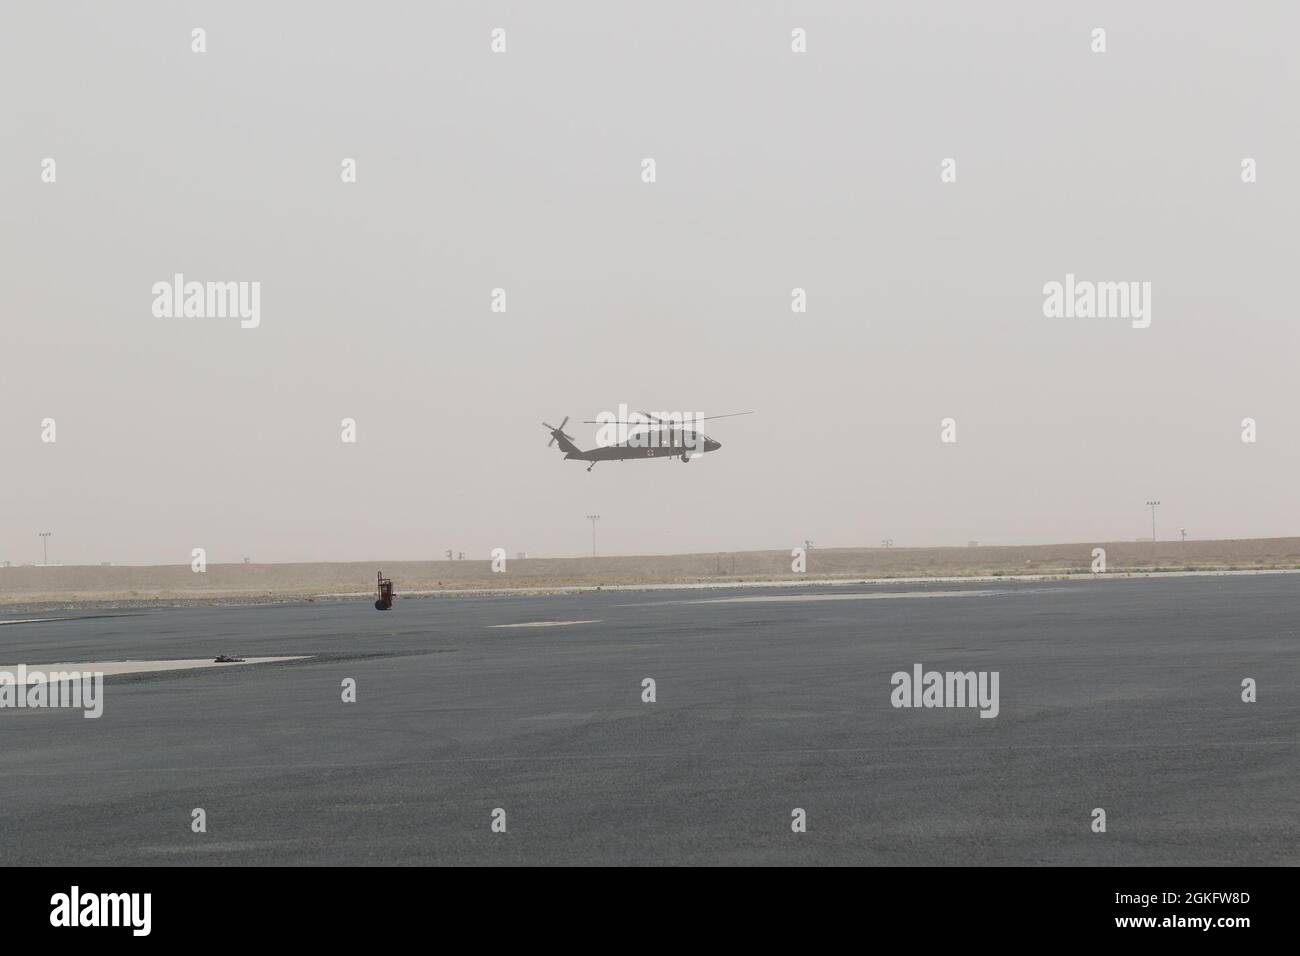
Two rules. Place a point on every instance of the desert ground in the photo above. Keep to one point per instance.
(82, 586)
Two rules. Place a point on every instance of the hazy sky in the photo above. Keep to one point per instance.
(522, 171)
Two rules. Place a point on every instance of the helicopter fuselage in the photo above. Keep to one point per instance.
(688, 445)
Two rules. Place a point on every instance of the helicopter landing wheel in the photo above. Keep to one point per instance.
(686, 457)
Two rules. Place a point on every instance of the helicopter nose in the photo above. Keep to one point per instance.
(711, 445)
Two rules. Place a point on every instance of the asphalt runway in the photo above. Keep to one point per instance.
(1122, 694)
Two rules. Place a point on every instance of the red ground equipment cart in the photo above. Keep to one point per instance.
(384, 594)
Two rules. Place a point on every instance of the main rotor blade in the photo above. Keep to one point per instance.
(693, 420)
(655, 420)
(652, 420)
(728, 415)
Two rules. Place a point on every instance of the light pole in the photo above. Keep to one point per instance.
(45, 545)
(1153, 505)
(1183, 532)
(593, 519)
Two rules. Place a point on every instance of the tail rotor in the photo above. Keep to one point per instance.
(557, 432)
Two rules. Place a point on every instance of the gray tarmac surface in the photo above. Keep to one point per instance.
(1120, 694)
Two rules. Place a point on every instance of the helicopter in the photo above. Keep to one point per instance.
(656, 437)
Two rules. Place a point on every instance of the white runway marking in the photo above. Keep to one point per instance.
(544, 624)
(34, 620)
(846, 581)
(773, 598)
(36, 673)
